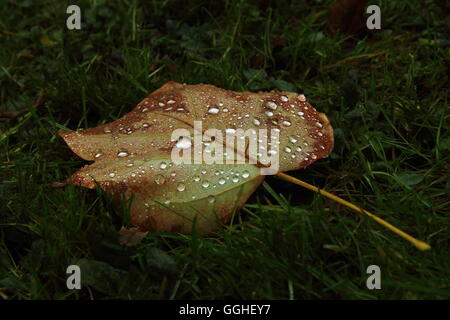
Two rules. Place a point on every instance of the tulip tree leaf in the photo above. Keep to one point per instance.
(134, 153)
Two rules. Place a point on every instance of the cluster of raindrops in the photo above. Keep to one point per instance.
(166, 103)
(273, 112)
(206, 181)
(232, 109)
(296, 108)
(220, 178)
(279, 111)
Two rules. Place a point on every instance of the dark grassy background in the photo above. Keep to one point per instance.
(386, 93)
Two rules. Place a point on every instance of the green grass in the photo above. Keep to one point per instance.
(386, 93)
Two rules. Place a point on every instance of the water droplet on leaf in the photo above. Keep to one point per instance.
(205, 184)
(213, 110)
(181, 187)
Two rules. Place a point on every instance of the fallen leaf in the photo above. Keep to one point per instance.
(133, 153)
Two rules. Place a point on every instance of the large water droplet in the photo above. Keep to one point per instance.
(181, 187)
(287, 149)
(286, 123)
(213, 110)
(163, 165)
(122, 154)
(269, 113)
(284, 98)
(98, 153)
(256, 122)
(222, 181)
(292, 139)
(112, 175)
(245, 174)
(205, 184)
